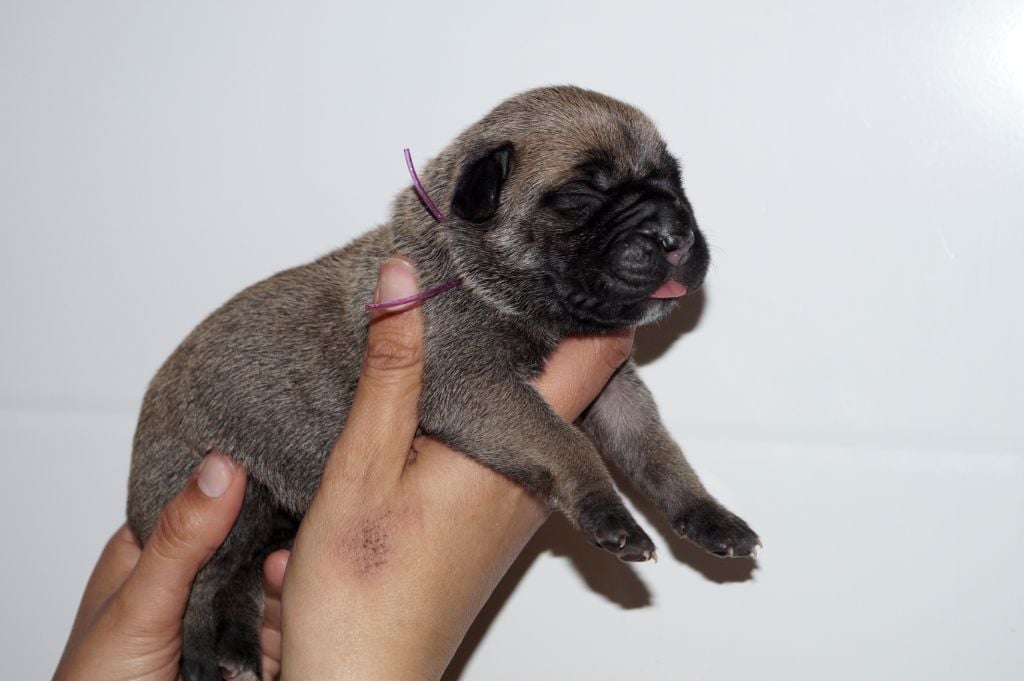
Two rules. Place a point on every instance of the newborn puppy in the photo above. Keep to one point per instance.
(565, 215)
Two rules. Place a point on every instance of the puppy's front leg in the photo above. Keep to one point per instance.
(512, 430)
(624, 422)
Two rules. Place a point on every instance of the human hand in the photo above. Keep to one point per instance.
(128, 624)
(398, 553)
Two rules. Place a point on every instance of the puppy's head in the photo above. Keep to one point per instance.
(565, 206)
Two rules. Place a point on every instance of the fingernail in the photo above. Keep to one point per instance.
(397, 280)
(215, 474)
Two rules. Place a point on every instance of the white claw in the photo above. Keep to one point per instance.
(654, 556)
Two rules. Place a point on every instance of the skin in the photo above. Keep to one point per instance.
(129, 622)
(403, 544)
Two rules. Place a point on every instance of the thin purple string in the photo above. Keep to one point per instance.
(427, 201)
(432, 207)
(422, 295)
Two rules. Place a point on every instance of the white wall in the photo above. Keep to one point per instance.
(853, 386)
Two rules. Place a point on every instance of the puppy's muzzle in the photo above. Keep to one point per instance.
(647, 255)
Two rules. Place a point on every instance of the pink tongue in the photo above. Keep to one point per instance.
(670, 289)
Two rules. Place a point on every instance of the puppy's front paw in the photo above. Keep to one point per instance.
(610, 527)
(717, 530)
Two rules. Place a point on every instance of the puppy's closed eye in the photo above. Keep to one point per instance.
(576, 200)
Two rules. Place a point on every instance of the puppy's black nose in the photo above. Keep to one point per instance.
(672, 241)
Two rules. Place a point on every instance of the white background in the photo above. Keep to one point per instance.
(850, 382)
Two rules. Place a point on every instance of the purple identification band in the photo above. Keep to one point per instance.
(422, 295)
(432, 207)
(427, 201)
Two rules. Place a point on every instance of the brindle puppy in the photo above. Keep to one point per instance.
(566, 215)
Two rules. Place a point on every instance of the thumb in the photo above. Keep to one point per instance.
(190, 528)
(383, 419)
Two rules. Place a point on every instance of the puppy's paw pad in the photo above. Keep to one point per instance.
(614, 530)
(230, 672)
(717, 530)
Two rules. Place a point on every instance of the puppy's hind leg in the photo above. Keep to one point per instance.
(239, 608)
(625, 424)
(199, 630)
(220, 638)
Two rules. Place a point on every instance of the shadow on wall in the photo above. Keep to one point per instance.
(654, 341)
(618, 582)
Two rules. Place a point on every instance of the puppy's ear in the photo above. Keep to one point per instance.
(478, 192)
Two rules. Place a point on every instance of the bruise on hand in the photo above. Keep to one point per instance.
(374, 544)
(369, 545)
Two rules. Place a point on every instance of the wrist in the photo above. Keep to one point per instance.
(406, 618)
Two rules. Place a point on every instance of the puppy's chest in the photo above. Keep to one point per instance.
(488, 344)
(529, 352)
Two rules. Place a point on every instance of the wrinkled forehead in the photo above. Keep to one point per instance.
(561, 149)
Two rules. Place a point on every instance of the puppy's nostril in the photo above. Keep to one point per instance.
(670, 242)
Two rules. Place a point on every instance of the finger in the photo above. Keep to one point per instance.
(580, 367)
(190, 528)
(383, 418)
(273, 582)
(119, 556)
(270, 633)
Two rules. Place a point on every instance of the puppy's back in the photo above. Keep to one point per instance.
(267, 379)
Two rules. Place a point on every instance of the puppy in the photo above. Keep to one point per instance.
(565, 215)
